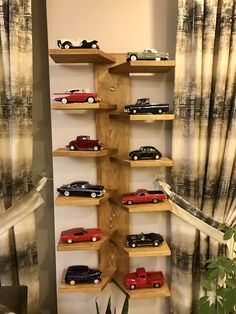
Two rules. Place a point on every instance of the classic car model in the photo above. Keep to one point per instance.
(145, 152)
(81, 188)
(143, 279)
(81, 234)
(81, 274)
(77, 43)
(148, 54)
(83, 142)
(144, 239)
(143, 196)
(75, 95)
(143, 106)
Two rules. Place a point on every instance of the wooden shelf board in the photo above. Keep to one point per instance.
(145, 293)
(162, 250)
(65, 152)
(164, 205)
(143, 66)
(86, 287)
(80, 56)
(86, 246)
(82, 106)
(82, 201)
(143, 117)
(162, 162)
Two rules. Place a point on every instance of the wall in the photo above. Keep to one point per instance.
(119, 26)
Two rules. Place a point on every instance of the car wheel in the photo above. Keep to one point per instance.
(71, 147)
(67, 193)
(90, 100)
(155, 200)
(93, 195)
(160, 111)
(69, 241)
(95, 148)
(129, 202)
(135, 157)
(72, 282)
(96, 281)
(158, 59)
(157, 157)
(133, 58)
(133, 245)
(132, 287)
(156, 243)
(64, 101)
(156, 285)
(94, 46)
(67, 45)
(134, 111)
(94, 239)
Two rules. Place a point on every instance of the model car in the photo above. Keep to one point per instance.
(148, 54)
(83, 142)
(143, 279)
(143, 196)
(144, 239)
(81, 274)
(145, 152)
(80, 235)
(78, 43)
(81, 188)
(143, 106)
(75, 95)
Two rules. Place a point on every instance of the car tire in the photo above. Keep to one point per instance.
(94, 239)
(156, 285)
(96, 281)
(93, 195)
(94, 46)
(134, 111)
(133, 58)
(90, 100)
(72, 147)
(133, 245)
(158, 59)
(67, 45)
(95, 147)
(157, 157)
(72, 282)
(129, 202)
(69, 241)
(66, 193)
(155, 200)
(64, 101)
(159, 111)
(132, 287)
(156, 243)
(135, 157)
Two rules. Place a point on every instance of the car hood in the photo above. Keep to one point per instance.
(134, 151)
(133, 237)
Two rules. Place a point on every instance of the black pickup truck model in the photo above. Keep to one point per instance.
(143, 106)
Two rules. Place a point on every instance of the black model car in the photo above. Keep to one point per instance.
(82, 274)
(143, 106)
(143, 239)
(67, 43)
(145, 152)
(81, 188)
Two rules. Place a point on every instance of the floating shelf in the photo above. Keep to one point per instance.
(141, 66)
(164, 291)
(85, 246)
(162, 162)
(162, 250)
(65, 152)
(162, 206)
(143, 117)
(82, 201)
(80, 56)
(83, 106)
(86, 287)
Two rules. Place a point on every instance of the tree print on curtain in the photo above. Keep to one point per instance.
(204, 137)
(18, 254)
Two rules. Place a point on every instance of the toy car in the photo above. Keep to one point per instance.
(75, 95)
(81, 274)
(80, 235)
(79, 43)
(148, 54)
(143, 106)
(143, 196)
(82, 188)
(143, 279)
(83, 142)
(145, 152)
(144, 239)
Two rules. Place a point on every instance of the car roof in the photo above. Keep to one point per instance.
(148, 147)
(81, 268)
(73, 230)
(79, 182)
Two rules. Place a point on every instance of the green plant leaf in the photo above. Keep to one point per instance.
(212, 274)
(206, 284)
(234, 236)
(205, 307)
(125, 307)
(97, 308)
(228, 234)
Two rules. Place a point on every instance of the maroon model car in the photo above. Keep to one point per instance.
(83, 142)
(75, 95)
(81, 234)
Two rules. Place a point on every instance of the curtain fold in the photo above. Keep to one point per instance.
(204, 136)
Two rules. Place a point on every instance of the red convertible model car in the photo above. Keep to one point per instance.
(80, 235)
(143, 279)
(75, 95)
(143, 196)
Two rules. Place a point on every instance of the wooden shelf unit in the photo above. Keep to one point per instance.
(83, 106)
(80, 56)
(143, 117)
(162, 162)
(65, 152)
(86, 246)
(162, 250)
(163, 206)
(143, 66)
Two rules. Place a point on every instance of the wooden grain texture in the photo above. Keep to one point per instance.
(86, 246)
(143, 117)
(80, 56)
(162, 250)
(162, 162)
(164, 205)
(83, 106)
(143, 66)
(65, 152)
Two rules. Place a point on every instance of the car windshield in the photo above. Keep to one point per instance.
(84, 186)
(142, 236)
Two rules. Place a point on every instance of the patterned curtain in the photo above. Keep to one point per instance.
(18, 254)
(204, 137)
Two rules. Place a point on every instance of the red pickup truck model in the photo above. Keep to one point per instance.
(143, 279)
(83, 142)
(143, 196)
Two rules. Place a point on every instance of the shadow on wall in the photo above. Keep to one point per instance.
(13, 299)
